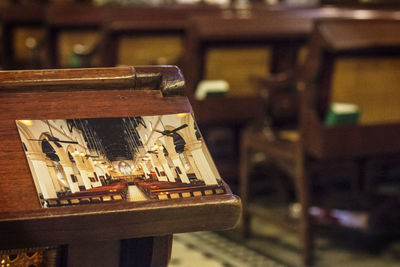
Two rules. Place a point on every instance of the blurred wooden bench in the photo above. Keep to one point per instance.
(339, 68)
(235, 46)
(102, 234)
(23, 36)
(73, 33)
(147, 35)
(279, 36)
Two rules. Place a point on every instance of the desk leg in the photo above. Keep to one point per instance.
(93, 254)
(143, 252)
(146, 251)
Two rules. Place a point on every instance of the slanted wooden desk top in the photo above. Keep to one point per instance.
(93, 93)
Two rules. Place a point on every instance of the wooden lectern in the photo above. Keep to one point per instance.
(116, 233)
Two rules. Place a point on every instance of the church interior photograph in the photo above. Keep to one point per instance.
(81, 161)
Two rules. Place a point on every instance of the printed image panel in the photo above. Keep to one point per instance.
(104, 160)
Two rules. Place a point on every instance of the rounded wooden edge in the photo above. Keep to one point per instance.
(168, 79)
(54, 226)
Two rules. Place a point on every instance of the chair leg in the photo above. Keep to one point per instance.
(244, 186)
(306, 229)
(303, 185)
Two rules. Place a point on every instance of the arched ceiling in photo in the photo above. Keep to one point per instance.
(112, 134)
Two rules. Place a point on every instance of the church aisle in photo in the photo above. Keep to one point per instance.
(86, 161)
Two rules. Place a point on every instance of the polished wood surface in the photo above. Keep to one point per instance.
(112, 221)
(167, 79)
(94, 93)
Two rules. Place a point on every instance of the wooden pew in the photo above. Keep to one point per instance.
(143, 35)
(271, 42)
(113, 192)
(125, 29)
(373, 4)
(118, 233)
(374, 39)
(229, 30)
(164, 190)
(20, 22)
(69, 26)
(320, 150)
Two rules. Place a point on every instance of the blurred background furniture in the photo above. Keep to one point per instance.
(144, 36)
(73, 33)
(23, 36)
(234, 47)
(147, 35)
(344, 65)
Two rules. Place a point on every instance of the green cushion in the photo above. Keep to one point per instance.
(342, 114)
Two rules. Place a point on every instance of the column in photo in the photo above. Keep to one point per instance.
(164, 162)
(70, 175)
(91, 171)
(192, 164)
(41, 171)
(146, 171)
(168, 142)
(194, 148)
(158, 168)
(210, 161)
(148, 140)
(67, 167)
(100, 171)
(174, 144)
(82, 169)
(53, 175)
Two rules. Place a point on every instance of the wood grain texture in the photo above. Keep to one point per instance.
(167, 79)
(147, 251)
(24, 223)
(94, 254)
(68, 79)
(227, 110)
(16, 187)
(117, 221)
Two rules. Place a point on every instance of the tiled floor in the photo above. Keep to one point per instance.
(338, 247)
(208, 249)
(271, 246)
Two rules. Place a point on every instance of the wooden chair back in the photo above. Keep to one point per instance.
(373, 4)
(20, 23)
(147, 35)
(73, 27)
(335, 44)
(245, 44)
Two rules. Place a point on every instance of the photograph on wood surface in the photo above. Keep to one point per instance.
(96, 160)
